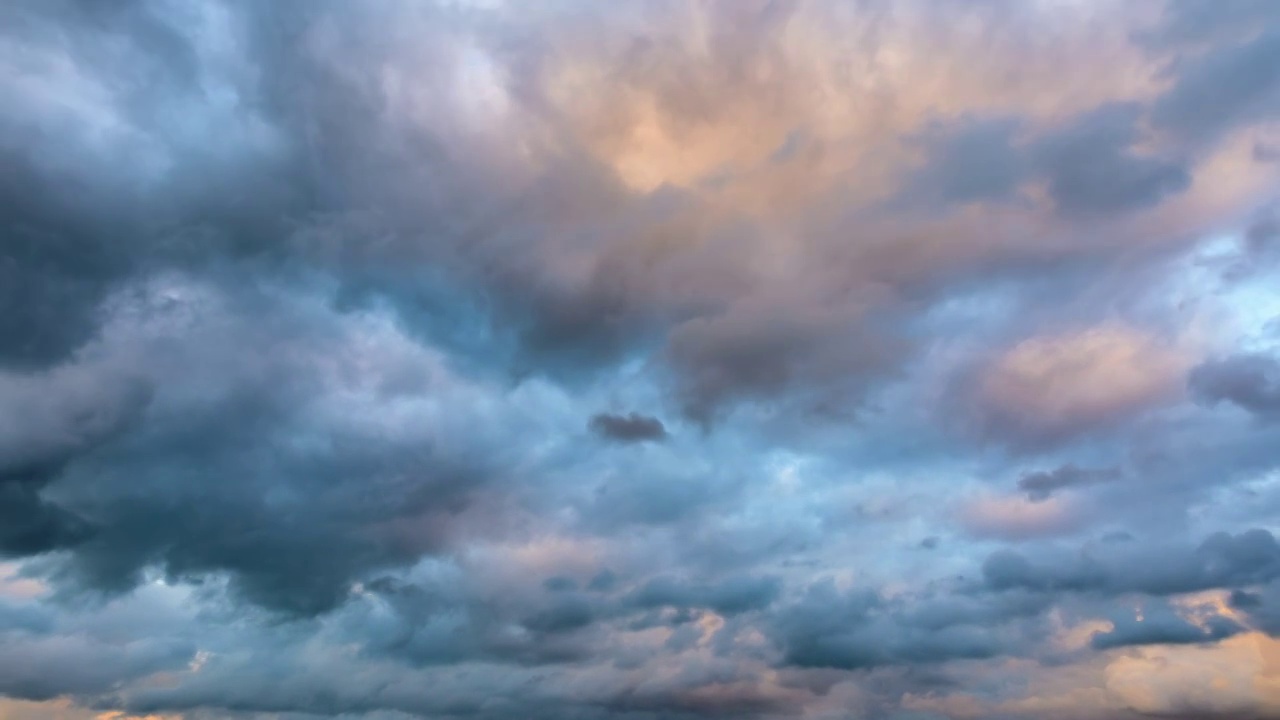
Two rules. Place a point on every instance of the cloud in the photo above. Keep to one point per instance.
(303, 307)
(213, 412)
(1088, 165)
(1221, 560)
(1159, 625)
(1015, 518)
(1230, 678)
(860, 630)
(628, 428)
(1047, 389)
(730, 597)
(1042, 484)
(1238, 81)
(1251, 382)
(1091, 166)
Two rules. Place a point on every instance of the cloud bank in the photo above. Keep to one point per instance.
(679, 359)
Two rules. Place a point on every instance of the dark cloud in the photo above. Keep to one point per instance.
(1222, 560)
(1251, 382)
(1261, 607)
(1160, 625)
(62, 255)
(729, 597)
(50, 420)
(45, 668)
(979, 160)
(430, 625)
(240, 473)
(603, 581)
(1228, 85)
(1042, 484)
(628, 428)
(33, 525)
(1091, 165)
(1263, 233)
(761, 355)
(860, 630)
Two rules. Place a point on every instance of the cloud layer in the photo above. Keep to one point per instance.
(471, 358)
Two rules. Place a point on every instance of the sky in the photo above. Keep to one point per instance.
(654, 360)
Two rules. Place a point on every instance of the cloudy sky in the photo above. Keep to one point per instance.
(667, 359)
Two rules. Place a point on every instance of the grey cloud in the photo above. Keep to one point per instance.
(32, 525)
(1251, 382)
(431, 626)
(1263, 234)
(1261, 607)
(57, 264)
(728, 597)
(49, 419)
(603, 581)
(235, 473)
(1199, 21)
(977, 160)
(1042, 484)
(559, 584)
(859, 630)
(569, 614)
(1260, 248)
(1160, 625)
(1228, 85)
(80, 215)
(1221, 561)
(1092, 168)
(744, 355)
(628, 428)
(1090, 165)
(653, 499)
(19, 617)
(51, 666)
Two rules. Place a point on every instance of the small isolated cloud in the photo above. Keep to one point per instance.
(628, 428)
(1041, 484)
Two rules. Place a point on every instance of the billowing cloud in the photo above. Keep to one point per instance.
(761, 359)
